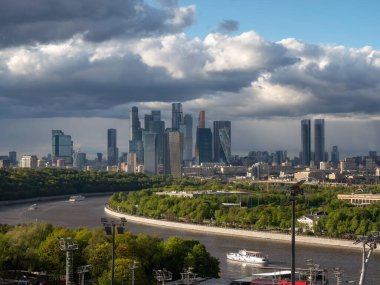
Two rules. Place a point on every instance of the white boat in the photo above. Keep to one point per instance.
(33, 207)
(248, 256)
(76, 198)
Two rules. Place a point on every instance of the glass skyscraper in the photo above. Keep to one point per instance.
(62, 147)
(222, 141)
(306, 142)
(319, 141)
(177, 116)
(112, 150)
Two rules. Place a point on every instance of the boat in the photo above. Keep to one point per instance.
(33, 207)
(76, 198)
(248, 256)
(283, 277)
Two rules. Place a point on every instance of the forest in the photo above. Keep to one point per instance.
(255, 209)
(34, 248)
(22, 183)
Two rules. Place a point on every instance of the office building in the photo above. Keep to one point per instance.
(305, 142)
(319, 141)
(177, 116)
(222, 141)
(187, 129)
(204, 145)
(62, 147)
(99, 156)
(79, 160)
(132, 162)
(135, 142)
(28, 161)
(202, 119)
(153, 143)
(150, 153)
(173, 153)
(12, 158)
(112, 150)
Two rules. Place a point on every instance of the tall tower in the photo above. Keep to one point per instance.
(173, 153)
(319, 141)
(62, 147)
(335, 155)
(202, 119)
(134, 123)
(222, 141)
(306, 142)
(177, 116)
(112, 151)
(135, 142)
(187, 129)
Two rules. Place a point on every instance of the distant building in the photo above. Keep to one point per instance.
(135, 134)
(112, 150)
(28, 161)
(222, 141)
(5, 163)
(150, 153)
(305, 142)
(13, 158)
(79, 160)
(99, 156)
(319, 141)
(187, 129)
(177, 116)
(173, 153)
(335, 155)
(204, 145)
(202, 119)
(360, 199)
(307, 222)
(62, 147)
(132, 162)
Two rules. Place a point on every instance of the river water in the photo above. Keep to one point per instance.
(89, 212)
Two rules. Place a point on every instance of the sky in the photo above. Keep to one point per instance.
(79, 66)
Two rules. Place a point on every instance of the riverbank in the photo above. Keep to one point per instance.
(314, 241)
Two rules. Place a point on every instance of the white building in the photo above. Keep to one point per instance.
(28, 161)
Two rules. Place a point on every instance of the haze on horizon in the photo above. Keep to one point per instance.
(80, 65)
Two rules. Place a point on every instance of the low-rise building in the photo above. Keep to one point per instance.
(360, 199)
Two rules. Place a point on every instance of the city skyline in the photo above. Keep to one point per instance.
(262, 66)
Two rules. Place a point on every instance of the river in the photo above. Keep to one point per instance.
(89, 212)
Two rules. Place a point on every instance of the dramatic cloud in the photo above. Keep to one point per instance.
(96, 58)
(228, 26)
(27, 22)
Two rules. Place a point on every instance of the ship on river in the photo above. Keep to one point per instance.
(247, 256)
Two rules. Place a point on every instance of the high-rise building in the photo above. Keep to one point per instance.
(222, 141)
(306, 142)
(134, 123)
(150, 153)
(187, 129)
(335, 155)
(12, 158)
(173, 153)
(99, 156)
(62, 147)
(177, 116)
(112, 150)
(202, 119)
(319, 141)
(135, 142)
(204, 145)
(79, 159)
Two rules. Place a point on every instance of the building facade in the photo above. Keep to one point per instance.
(112, 150)
(305, 142)
(173, 153)
(62, 147)
(222, 141)
(319, 141)
(28, 161)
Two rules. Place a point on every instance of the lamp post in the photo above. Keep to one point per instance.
(110, 228)
(294, 191)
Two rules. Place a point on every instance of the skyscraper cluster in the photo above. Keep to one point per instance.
(166, 150)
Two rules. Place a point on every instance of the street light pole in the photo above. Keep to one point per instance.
(294, 191)
(110, 227)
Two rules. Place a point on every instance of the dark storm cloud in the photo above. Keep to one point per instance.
(27, 22)
(228, 26)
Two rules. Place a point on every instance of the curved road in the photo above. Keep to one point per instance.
(89, 212)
